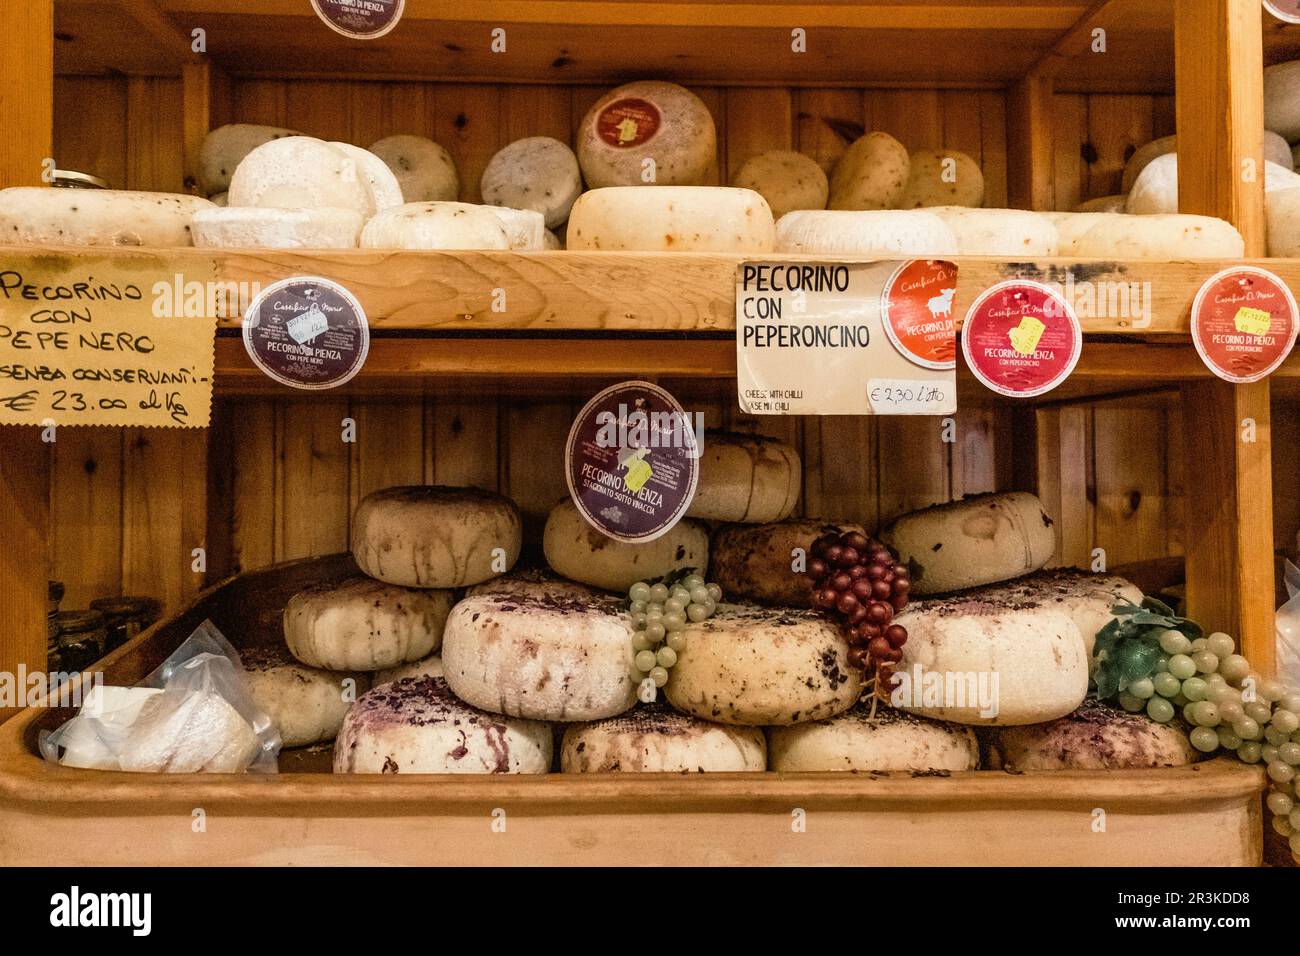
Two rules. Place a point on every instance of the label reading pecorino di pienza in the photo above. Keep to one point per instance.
(307, 332)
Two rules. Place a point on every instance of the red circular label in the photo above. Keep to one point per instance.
(360, 19)
(1288, 10)
(916, 310)
(307, 332)
(1021, 338)
(632, 461)
(1244, 323)
(628, 123)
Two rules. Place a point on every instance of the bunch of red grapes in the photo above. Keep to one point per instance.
(857, 581)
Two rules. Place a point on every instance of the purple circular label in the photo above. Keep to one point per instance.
(632, 461)
(1287, 10)
(360, 19)
(307, 332)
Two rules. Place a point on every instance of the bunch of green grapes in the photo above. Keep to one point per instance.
(660, 612)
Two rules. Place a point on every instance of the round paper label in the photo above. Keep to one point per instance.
(916, 308)
(1021, 338)
(1244, 323)
(1287, 10)
(307, 332)
(632, 461)
(628, 123)
(360, 19)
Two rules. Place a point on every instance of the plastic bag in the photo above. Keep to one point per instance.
(1287, 623)
(191, 715)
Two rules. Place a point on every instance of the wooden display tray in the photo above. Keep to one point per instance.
(1206, 814)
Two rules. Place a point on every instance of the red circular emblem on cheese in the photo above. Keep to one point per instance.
(1244, 323)
(307, 332)
(632, 461)
(1021, 338)
(1287, 10)
(627, 123)
(916, 310)
(360, 19)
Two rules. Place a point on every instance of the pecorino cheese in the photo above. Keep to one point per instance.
(225, 148)
(942, 177)
(1282, 99)
(301, 173)
(364, 625)
(538, 173)
(1142, 158)
(424, 170)
(1103, 204)
(1156, 188)
(763, 666)
(871, 174)
(978, 540)
(999, 232)
(44, 216)
(892, 740)
(1072, 226)
(671, 219)
(756, 562)
(1161, 237)
(220, 199)
(525, 228)
(787, 180)
(647, 133)
(248, 227)
(429, 536)
(417, 725)
(547, 650)
(747, 478)
(908, 232)
(436, 225)
(1282, 209)
(385, 191)
(577, 550)
(307, 704)
(655, 739)
(430, 666)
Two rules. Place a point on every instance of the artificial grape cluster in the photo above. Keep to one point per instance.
(660, 611)
(858, 581)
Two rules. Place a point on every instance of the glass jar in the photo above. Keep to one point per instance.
(82, 636)
(126, 617)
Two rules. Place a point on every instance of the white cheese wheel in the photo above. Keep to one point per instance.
(871, 174)
(1278, 151)
(999, 232)
(747, 478)
(248, 227)
(1142, 158)
(417, 725)
(225, 148)
(647, 129)
(577, 550)
(436, 225)
(198, 732)
(364, 625)
(220, 199)
(655, 739)
(756, 562)
(887, 232)
(538, 173)
(430, 666)
(1156, 188)
(763, 666)
(547, 650)
(1161, 237)
(1072, 226)
(1094, 737)
(978, 540)
(385, 191)
(425, 171)
(300, 172)
(787, 180)
(1103, 204)
(942, 177)
(525, 229)
(429, 536)
(1282, 209)
(1282, 99)
(671, 219)
(46, 216)
(306, 704)
(892, 740)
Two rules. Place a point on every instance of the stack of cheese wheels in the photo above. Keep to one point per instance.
(539, 174)
(542, 649)
(765, 562)
(671, 219)
(1094, 737)
(648, 133)
(656, 739)
(307, 704)
(41, 216)
(888, 740)
(417, 725)
(747, 478)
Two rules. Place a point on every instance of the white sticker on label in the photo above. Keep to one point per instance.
(909, 396)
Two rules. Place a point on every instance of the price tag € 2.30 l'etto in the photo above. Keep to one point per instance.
(846, 338)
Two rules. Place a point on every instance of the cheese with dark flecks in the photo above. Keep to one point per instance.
(654, 738)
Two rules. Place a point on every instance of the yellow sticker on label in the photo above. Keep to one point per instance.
(1252, 321)
(1025, 336)
(108, 339)
(638, 470)
(627, 130)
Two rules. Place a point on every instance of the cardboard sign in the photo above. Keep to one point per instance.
(111, 340)
(1244, 323)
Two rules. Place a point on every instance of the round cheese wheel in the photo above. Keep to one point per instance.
(1161, 237)
(647, 133)
(1142, 158)
(43, 216)
(430, 666)
(1282, 209)
(763, 666)
(417, 725)
(999, 232)
(982, 539)
(755, 562)
(787, 180)
(654, 738)
(249, 227)
(671, 219)
(746, 478)
(580, 552)
(225, 148)
(436, 225)
(301, 173)
(525, 229)
(385, 191)
(884, 233)
(548, 650)
(1096, 736)
(1156, 189)
(364, 625)
(307, 704)
(425, 171)
(871, 174)
(892, 740)
(1103, 204)
(429, 536)
(1282, 99)
(220, 199)
(942, 177)
(537, 173)
(1072, 226)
